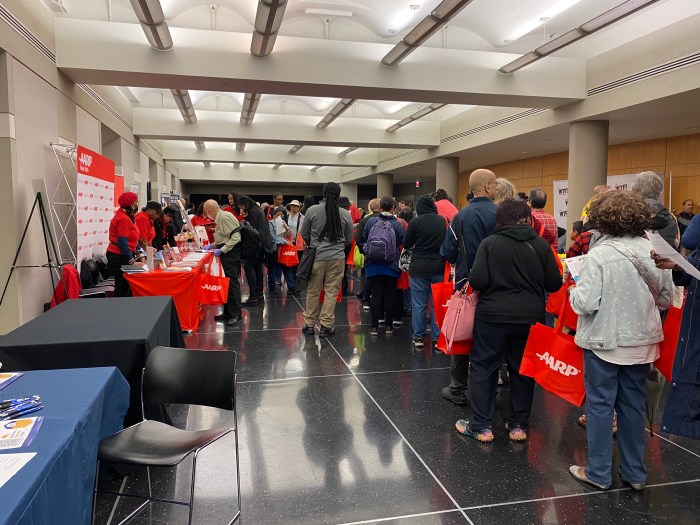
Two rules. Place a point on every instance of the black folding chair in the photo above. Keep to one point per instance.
(174, 375)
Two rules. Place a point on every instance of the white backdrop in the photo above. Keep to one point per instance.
(561, 194)
(95, 208)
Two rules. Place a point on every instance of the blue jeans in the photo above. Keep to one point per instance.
(421, 296)
(609, 387)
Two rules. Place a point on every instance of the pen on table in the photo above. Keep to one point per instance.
(19, 408)
(14, 402)
(26, 411)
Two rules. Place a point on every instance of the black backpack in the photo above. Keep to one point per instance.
(251, 241)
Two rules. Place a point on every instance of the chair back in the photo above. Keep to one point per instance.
(190, 377)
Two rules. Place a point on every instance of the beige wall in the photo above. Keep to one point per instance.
(677, 155)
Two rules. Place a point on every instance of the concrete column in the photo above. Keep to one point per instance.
(447, 176)
(588, 164)
(11, 309)
(349, 190)
(385, 184)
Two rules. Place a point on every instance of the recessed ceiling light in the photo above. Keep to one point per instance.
(523, 152)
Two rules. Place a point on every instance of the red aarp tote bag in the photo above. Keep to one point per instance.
(554, 361)
(672, 329)
(213, 286)
(287, 255)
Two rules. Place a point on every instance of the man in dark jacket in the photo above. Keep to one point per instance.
(254, 268)
(359, 230)
(424, 236)
(472, 224)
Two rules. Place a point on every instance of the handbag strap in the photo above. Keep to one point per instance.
(637, 264)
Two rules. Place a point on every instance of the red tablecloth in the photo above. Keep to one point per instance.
(182, 286)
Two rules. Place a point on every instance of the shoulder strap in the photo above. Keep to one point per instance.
(636, 262)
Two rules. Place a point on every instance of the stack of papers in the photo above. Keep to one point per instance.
(17, 433)
(133, 268)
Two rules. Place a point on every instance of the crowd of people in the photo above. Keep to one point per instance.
(506, 247)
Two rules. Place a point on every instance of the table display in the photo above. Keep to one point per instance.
(181, 281)
(56, 470)
(82, 333)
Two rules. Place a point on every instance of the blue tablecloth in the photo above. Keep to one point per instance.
(82, 406)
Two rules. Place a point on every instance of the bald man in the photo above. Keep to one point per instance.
(227, 247)
(373, 207)
(470, 226)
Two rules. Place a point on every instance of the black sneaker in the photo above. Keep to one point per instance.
(418, 342)
(366, 307)
(457, 399)
(326, 332)
(308, 329)
(233, 321)
(222, 317)
(251, 302)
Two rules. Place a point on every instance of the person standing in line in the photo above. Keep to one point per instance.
(254, 268)
(444, 205)
(373, 207)
(597, 190)
(424, 236)
(471, 225)
(328, 228)
(308, 202)
(277, 201)
(227, 247)
(345, 204)
(144, 222)
(649, 185)
(123, 240)
(504, 190)
(274, 266)
(512, 270)
(295, 220)
(686, 215)
(537, 200)
(618, 297)
(200, 220)
(381, 238)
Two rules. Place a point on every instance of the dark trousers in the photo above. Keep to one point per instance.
(459, 372)
(231, 262)
(383, 300)
(254, 275)
(493, 344)
(114, 264)
(365, 288)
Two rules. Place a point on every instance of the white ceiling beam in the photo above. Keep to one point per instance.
(184, 153)
(109, 53)
(216, 126)
(194, 172)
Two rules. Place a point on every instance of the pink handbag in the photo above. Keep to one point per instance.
(458, 324)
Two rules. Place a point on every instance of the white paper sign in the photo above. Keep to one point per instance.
(574, 264)
(561, 194)
(11, 464)
(663, 249)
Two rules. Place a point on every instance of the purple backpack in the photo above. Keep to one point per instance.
(380, 247)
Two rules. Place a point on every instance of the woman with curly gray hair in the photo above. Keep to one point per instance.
(650, 185)
(618, 297)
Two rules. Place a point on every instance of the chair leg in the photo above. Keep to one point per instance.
(94, 492)
(194, 474)
(150, 493)
(238, 462)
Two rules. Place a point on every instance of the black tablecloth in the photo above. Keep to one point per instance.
(83, 333)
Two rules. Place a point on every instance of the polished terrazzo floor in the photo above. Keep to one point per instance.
(352, 430)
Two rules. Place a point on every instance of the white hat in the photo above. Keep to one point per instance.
(294, 203)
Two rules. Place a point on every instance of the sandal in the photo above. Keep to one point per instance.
(582, 422)
(484, 436)
(516, 433)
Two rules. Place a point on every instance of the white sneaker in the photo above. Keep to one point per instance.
(381, 321)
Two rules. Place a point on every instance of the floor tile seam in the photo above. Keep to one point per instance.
(405, 516)
(677, 445)
(408, 443)
(577, 495)
(349, 374)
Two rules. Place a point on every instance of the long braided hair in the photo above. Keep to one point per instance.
(332, 228)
